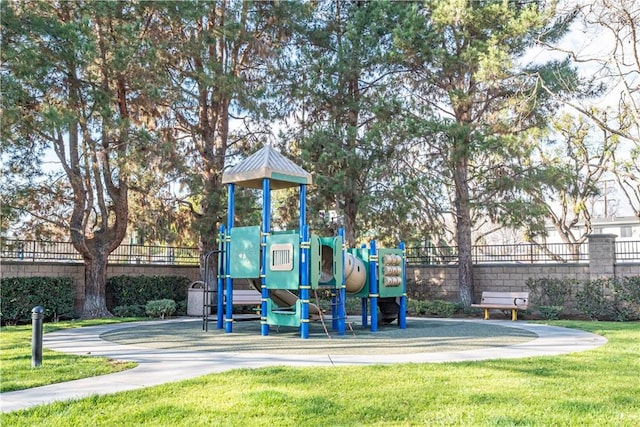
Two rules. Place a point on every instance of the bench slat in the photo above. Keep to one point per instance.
(513, 301)
(509, 302)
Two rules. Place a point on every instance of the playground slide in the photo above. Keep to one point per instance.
(285, 298)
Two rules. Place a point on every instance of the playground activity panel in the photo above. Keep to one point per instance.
(287, 265)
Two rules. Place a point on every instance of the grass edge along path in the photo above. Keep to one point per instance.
(595, 387)
(16, 372)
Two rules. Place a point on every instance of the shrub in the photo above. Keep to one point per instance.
(138, 290)
(550, 312)
(353, 305)
(181, 308)
(615, 299)
(549, 291)
(21, 294)
(433, 308)
(160, 308)
(550, 295)
(135, 310)
(441, 308)
(591, 300)
(626, 298)
(415, 306)
(323, 300)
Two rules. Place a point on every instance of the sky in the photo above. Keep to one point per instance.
(586, 41)
(592, 44)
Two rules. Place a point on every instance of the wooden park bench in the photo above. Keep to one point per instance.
(513, 301)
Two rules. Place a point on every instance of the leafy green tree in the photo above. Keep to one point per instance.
(218, 57)
(477, 106)
(344, 110)
(76, 86)
(581, 154)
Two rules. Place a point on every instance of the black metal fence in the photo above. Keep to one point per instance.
(523, 253)
(530, 253)
(627, 251)
(44, 251)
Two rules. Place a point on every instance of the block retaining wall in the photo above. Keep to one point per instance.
(76, 272)
(425, 282)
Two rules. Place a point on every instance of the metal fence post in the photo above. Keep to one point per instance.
(531, 252)
(37, 316)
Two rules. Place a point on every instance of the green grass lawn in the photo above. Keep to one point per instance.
(600, 387)
(16, 372)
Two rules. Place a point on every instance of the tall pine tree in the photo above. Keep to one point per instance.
(476, 107)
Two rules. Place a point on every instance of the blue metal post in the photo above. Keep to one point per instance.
(221, 271)
(228, 326)
(304, 283)
(303, 206)
(364, 304)
(364, 309)
(402, 315)
(342, 292)
(334, 309)
(373, 285)
(305, 245)
(266, 230)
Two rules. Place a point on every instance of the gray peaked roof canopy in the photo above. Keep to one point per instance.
(266, 163)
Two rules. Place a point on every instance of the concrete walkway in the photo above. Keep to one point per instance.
(163, 366)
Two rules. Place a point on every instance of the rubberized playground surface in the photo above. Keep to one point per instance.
(421, 336)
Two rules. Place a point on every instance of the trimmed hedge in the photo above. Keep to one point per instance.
(550, 295)
(615, 298)
(139, 290)
(433, 308)
(610, 299)
(21, 294)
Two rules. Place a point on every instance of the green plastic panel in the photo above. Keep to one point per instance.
(245, 252)
(390, 272)
(315, 261)
(283, 263)
(326, 262)
(335, 244)
(283, 317)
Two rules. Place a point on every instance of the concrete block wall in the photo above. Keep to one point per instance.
(627, 270)
(432, 282)
(425, 282)
(602, 255)
(441, 282)
(76, 272)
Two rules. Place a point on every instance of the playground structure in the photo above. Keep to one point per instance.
(287, 265)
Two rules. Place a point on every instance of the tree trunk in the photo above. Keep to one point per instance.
(95, 282)
(213, 209)
(463, 232)
(350, 214)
